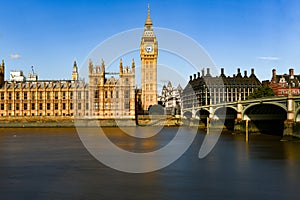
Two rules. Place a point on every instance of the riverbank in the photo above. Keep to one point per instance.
(143, 120)
(69, 121)
(36, 122)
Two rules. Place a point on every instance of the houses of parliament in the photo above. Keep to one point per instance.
(103, 96)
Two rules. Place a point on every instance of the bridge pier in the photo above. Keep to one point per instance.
(290, 121)
(242, 127)
(211, 112)
(239, 116)
(239, 125)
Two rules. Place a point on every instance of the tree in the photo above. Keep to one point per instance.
(156, 110)
(264, 91)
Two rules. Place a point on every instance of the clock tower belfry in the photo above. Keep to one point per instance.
(148, 53)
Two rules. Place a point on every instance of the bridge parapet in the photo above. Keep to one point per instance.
(243, 105)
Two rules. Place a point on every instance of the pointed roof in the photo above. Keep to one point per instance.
(75, 66)
(121, 63)
(148, 29)
(169, 84)
(179, 87)
(132, 63)
(148, 20)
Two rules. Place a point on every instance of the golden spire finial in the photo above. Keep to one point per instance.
(148, 21)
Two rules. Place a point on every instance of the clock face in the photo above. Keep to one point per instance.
(149, 48)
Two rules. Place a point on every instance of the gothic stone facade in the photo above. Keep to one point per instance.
(170, 99)
(112, 97)
(102, 97)
(107, 95)
(148, 54)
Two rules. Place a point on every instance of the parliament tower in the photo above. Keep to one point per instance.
(148, 53)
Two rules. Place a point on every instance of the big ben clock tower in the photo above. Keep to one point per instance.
(148, 53)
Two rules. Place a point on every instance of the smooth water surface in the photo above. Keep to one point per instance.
(52, 163)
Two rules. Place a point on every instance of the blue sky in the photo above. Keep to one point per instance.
(49, 35)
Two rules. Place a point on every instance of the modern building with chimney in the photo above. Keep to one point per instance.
(204, 89)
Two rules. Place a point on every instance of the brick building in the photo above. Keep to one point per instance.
(283, 84)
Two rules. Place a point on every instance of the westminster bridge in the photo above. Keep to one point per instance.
(273, 115)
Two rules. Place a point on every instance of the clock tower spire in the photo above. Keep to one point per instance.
(148, 54)
(148, 20)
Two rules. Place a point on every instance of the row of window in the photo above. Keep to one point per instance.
(225, 87)
(292, 91)
(41, 95)
(149, 87)
(149, 76)
(56, 95)
(96, 81)
(188, 103)
(225, 90)
(286, 84)
(40, 106)
(64, 114)
(116, 105)
(112, 94)
(33, 106)
(149, 97)
(40, 114)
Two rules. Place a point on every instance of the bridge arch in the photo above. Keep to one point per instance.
(230, 107)
(264, 103)
(202, 114)
(187, 114)
(202, 111)
(227, 115)
(266, 117)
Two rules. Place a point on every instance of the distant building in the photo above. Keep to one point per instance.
(284, 84)
(17, 76)
(205, 89)
(32, 77)
(171, 99)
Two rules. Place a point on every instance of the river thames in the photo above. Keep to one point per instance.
(52, 163)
